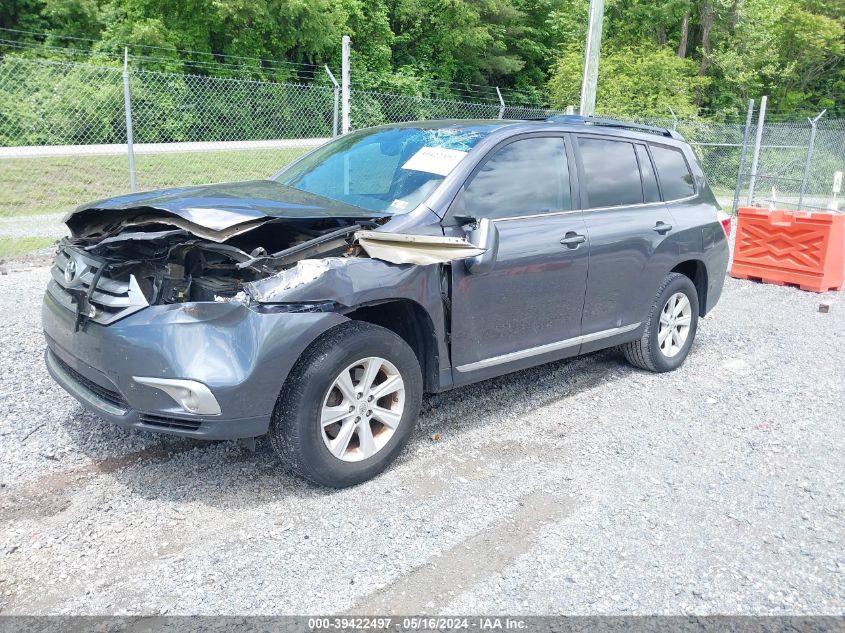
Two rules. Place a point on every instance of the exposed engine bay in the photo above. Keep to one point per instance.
(120, 261)
(174, 265)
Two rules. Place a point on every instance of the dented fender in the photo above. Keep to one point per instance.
(353, 282)
(348, 281)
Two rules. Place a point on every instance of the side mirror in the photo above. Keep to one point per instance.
(483, 234)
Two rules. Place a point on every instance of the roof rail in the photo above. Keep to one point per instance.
(627, 125)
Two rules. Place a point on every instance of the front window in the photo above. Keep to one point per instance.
(387, 170)
(526, 177)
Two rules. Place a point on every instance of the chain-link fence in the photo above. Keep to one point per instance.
(796, 167)
(191, 129)
(63, 137)
(63, 131)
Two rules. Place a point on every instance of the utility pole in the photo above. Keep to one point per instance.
(591, 58)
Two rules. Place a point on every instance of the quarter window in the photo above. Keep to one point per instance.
(611, 172)
(525, 177)
(650, 191)
(675, 178)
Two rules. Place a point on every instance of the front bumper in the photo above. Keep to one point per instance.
(241, 355)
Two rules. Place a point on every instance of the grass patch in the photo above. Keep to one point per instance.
(57, 184)
(12, 246)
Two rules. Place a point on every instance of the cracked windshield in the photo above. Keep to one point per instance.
(384, 170)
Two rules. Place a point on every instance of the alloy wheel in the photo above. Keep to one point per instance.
(675, 320)
(362, 409)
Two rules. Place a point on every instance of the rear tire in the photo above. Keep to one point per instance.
(349, 405)
(670, 328)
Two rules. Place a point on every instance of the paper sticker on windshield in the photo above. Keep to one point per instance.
(435, 160)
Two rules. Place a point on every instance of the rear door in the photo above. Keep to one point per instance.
(630, 231)
(529, 305)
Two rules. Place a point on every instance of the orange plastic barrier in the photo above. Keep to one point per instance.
(782, 247)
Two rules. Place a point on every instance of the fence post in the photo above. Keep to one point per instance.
(127, 107)
(344, 81)
(674, 118)
(813, 124)
(336, 100)
(748, 119)
(501, 103)
(755, 159)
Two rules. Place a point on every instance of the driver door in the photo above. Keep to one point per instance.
(527, 309)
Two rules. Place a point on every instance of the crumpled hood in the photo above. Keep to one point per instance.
(218, 207)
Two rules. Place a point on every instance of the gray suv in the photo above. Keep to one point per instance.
(318, 305)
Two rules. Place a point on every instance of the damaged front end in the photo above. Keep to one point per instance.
(105, 278)
(119, 261)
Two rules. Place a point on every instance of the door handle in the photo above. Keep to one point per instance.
(573, 239)
(662, 227)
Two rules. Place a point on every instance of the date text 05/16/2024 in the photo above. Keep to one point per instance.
(416, 623)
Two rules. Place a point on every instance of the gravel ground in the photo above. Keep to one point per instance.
(582, 487)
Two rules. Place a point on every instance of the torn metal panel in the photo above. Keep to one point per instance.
(141, 236)
(209, 234)
(402, 248)
(107, 223)
(347, 281)
(215, 208)
(274, 289)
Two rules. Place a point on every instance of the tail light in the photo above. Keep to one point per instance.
(725, 221)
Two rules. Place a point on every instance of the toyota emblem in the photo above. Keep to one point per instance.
(70, 271)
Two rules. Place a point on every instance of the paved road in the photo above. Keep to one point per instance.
(578, 487)
(36, 151)
(42, 225)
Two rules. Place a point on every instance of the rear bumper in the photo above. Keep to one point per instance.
(241, 355)
(717, 268)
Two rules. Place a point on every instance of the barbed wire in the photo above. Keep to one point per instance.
(216, 57)
(423, 86)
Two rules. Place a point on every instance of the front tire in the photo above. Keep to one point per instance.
(349, 405)
(670, 328)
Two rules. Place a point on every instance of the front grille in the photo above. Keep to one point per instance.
(163, 422)
(112, 298)
(112, 397)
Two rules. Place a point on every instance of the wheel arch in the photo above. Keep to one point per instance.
(411, 321)
(696, 271)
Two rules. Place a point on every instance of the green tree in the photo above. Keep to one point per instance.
(708, 56)
(636, 81)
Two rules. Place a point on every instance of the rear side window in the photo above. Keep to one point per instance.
(650, 191)
(675, 178)
(525, 177)
(611, 172)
